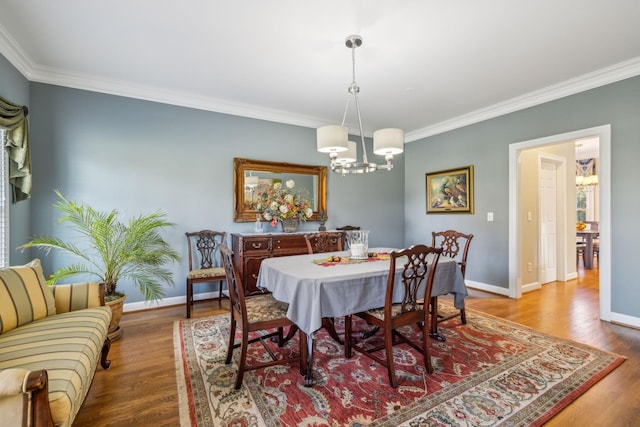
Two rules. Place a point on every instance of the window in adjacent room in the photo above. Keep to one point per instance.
(4, 203)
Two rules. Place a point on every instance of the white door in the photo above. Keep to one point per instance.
(548, 270)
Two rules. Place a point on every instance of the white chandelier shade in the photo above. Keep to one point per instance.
(388, 141)
(332, 139)
(349, 156)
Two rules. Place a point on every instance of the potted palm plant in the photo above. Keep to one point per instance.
(110, 249)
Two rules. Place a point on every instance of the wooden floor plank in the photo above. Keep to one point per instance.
(140, 387)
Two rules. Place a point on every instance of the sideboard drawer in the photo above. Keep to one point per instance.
(255, 244)
(289, 245)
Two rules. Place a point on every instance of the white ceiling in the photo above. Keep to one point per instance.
(425, 66)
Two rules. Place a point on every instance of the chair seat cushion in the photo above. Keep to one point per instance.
(262, 308)
(395, 310)
(206, 272)
(66, 345)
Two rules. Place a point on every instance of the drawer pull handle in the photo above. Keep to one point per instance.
(255, 276)
(256, 245)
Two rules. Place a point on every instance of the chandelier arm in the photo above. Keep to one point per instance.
(364, 148)
(346, 109)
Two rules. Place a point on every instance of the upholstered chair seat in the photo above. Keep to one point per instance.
(205, 272)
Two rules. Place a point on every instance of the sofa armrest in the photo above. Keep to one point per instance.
(77, 296)
(24, 398)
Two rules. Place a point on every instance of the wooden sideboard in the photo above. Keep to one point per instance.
(250, 249)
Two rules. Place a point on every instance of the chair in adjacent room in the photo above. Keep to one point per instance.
(204, 262)
(580, 248)
(416, 283)
(454, 245)
(260, 313)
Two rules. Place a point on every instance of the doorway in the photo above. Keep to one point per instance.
(515, 215)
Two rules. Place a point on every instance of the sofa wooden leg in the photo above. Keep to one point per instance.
(104, 362)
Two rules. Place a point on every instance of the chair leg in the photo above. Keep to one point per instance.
(243, 358)
(347, 336)
(189, 298)
(388, 349)
(463, 316)
(426, 349)
(232, 335)
(220, 293)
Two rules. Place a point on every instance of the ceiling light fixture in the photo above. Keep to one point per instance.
(586, 178)
(334, 139)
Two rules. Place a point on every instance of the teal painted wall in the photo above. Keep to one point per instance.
(15, 88)
(485, 145)
(139, 156)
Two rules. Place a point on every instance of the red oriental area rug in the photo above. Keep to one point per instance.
(489, 372)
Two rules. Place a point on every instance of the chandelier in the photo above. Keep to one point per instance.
(334, 139)
(586, 178)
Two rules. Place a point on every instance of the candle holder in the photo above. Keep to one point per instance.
(358, 244)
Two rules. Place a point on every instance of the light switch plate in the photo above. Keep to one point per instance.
(489, 216)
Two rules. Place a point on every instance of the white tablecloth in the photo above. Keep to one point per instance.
(314, 291)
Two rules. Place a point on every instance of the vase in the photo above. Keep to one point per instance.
(289, 225)
(117, 305)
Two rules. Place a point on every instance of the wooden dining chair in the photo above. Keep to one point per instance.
(322, 242)
(416, 283)
(344, 229)
(348, 228)
(204, 262)
(454, 245)
(260, 313)
(317, 243)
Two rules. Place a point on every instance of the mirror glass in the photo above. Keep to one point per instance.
(251, 177)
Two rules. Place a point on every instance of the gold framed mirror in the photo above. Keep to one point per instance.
(251, 177)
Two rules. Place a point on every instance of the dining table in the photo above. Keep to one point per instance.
(588, 236)
(316, 288)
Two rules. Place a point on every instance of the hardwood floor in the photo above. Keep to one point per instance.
(140, 388)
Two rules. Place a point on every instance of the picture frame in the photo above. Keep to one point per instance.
(450, 191)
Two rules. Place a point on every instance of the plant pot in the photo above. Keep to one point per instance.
(289, 225)
(115, 332)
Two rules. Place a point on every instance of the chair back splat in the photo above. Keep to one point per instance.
(415, 283)
(323, 242)
(318, 243)
(454, 245)
(204, 261)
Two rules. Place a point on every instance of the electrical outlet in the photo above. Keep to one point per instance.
(529, 266)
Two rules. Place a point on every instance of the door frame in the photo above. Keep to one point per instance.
(604, 176)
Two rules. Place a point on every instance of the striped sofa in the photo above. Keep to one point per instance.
(51, 339)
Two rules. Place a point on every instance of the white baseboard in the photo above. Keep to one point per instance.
(625, 320)
(487, 288)
(166, 302)
(571, 276)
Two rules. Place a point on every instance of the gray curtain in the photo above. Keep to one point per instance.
(13, 118)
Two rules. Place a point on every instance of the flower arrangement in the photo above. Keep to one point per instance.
(278, 203)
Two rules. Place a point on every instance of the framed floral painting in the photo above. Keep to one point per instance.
(450, 191)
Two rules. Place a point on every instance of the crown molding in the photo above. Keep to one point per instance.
(604, 76)
(16, 56)
(12, 51)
